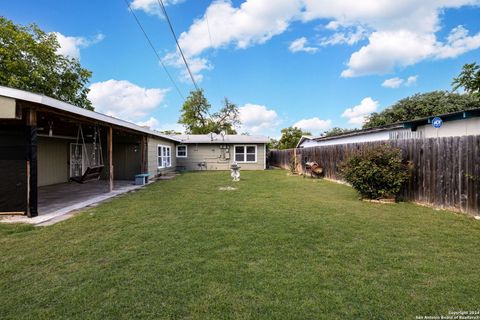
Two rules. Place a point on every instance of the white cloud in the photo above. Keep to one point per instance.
(357, 114)
(396, 82)
(70, 46)
(398, 33)
(258, 119)
(152, 6)
(348, 36)
(222, 24)
(458, 42)
(314, 125)
(411, 80)
(125, 100)
(154, 124)
(392, 83)
(387, 50)
(151, 123)
(254, 22)
(196, 65)
(298, 45)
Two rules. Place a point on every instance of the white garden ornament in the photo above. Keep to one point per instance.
(235, 171)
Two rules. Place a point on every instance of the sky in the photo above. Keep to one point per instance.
(314, 64)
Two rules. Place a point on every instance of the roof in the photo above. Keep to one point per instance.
(410, 124)
(218, 138)
(458, 115)
(70, 108)
(352, 133)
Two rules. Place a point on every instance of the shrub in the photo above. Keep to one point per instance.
(377, 172)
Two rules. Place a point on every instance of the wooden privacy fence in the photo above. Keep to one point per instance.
(444, 172)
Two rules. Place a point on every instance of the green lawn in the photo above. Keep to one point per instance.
(278, 247)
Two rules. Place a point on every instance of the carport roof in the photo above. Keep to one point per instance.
(70, 108)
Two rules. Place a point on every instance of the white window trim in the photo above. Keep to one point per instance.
(186, 151)
(245, 152)
(158, 156)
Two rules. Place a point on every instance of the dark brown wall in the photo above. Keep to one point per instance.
(13, 173)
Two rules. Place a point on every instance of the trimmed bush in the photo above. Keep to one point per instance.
(377, 172)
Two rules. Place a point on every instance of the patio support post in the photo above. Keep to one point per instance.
(143, 150)
(110, 157)
(31, 167)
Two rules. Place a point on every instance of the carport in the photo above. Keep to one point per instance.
(39, 154)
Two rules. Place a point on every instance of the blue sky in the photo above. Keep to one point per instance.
(311, 63)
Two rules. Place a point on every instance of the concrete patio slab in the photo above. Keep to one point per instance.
(59, 202)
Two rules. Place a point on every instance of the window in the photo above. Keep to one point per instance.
(181, 151)
(246, 153)
(164, 157)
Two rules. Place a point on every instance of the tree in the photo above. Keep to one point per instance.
(335, 131)
(170, 132)
(422, 105)
(197, 119)
(28, 61)
(290, 137)
(469, 79)
(273, 144)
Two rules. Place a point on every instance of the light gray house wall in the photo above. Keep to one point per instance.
(464, 127)
(152, 156)
(218, 157)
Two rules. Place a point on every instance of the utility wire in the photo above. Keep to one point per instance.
(154, 50)
(208, 28)
(162, 6)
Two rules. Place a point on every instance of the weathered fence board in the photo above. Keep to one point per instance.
(444, 172)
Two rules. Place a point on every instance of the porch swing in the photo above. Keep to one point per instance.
(94, 159)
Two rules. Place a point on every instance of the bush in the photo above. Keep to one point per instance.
(377, 172)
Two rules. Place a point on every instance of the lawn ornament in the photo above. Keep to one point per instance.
(235, 171)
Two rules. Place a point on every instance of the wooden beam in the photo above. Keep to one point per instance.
(143, 150)
(110, 157)
(31, 165)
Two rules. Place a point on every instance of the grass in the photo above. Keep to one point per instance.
(278, 247)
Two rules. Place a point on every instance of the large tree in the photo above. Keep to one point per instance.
(290, 137)
(422, 105)
(469, 79)
(197, 119)
(335, 131)
(29, 61)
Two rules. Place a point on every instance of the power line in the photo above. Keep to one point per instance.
(162, 6)
(154, 50)
(208, 28)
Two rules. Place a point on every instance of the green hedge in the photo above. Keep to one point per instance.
(377, 172)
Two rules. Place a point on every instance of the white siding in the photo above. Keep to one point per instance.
(464, 127)
(366, 137)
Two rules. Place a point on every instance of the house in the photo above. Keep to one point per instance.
(46, 143)
(218, 151)
(461, 123)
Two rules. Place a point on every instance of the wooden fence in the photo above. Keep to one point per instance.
(445, 172)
